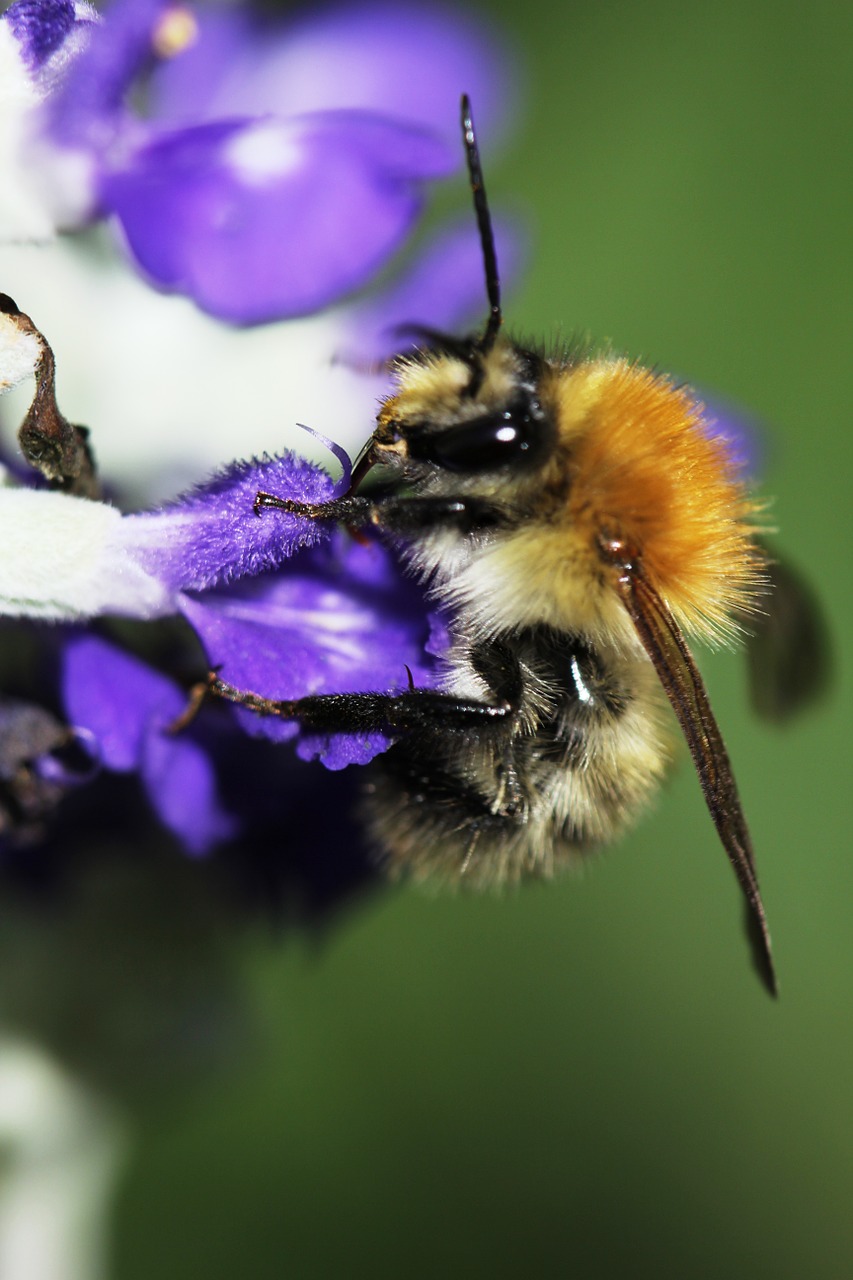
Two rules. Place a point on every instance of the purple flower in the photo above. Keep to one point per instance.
(740, 432)
(240, 203)
(261, 219)
(48, 32)
(410, 62)
(125, 708)
(277, 167)
(207, 538)
(340, 619)
(281, 163)
(338, 616)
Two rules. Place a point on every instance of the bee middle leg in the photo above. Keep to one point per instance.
(412, 711)
(497, 664)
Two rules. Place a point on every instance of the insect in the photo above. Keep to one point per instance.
(575, 516)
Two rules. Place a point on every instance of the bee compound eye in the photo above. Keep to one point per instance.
(487, 443)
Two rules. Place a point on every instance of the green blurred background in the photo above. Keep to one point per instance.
(586, 1078)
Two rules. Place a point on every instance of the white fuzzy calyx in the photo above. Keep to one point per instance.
(20, 352)
(64, 560)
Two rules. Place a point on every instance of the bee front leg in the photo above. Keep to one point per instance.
(403, 515)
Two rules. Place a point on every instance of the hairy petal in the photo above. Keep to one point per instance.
(211, 534)
(67, 558)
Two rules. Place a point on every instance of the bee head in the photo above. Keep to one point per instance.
(465, 412)
(465, 407)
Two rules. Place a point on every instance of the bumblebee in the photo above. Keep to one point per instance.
(575, 516)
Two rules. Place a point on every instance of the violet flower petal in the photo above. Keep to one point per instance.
(181, 785)
(115, 697)
(210, 534)
(44, 28)
(285, 191)
(40, 40)
(69, 558)
(340, 620)
(127, 706)
(411, 62)
(740, 432)
(88, 111)
(261, 219)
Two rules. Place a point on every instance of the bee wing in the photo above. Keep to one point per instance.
(788, 647)
(665, 645)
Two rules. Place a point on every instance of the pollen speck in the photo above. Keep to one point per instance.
(176, 30)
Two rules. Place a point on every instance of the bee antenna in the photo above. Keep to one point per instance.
(484, 226)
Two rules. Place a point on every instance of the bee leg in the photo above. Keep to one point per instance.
(354, 511)
(498, 666)
(412, 711)
(510, 800)
(395, 514)
(415, 710)
(471, 849)
(466, 514)
(197, 696)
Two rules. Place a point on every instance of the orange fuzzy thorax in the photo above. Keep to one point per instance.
(646, 469)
